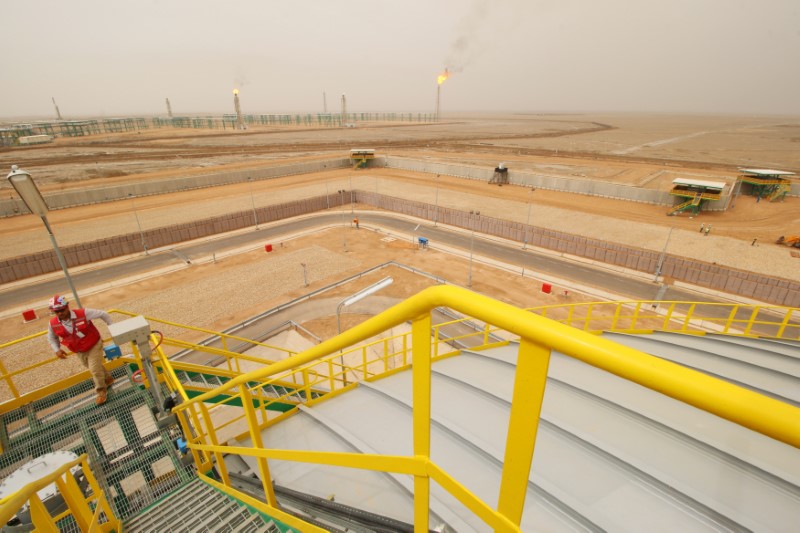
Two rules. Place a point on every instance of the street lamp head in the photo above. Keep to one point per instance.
(360, 295)
(26, 188)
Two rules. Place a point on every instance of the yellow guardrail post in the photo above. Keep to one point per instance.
(255, 436)
(538, 337)
(102, 502)
(668, 317)
(526, 405)
(731, 319)
(782, 328)
(95, 526)
(635, 317)
(71, 493)
(40, 516)
(77, 504)
(688, 318)
(206, 432)
(421, 371)
(751, 320)
(171, 378)
(9, 381)
(588, 320)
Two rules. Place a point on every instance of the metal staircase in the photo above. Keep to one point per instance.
(689, 205)
(133, 459)
(198, 507)
(780, 191)
(286, 395)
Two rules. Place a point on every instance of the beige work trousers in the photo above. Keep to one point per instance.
(93, 360)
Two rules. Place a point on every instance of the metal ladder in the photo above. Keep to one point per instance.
(198, 507)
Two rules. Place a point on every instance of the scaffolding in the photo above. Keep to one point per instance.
(694, 193)
(766, 183)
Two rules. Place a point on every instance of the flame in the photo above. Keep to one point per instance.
(442, 77)
(236, 91)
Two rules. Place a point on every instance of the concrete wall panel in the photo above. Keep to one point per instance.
(777, 294)
(792, 299)
(747, 288)
(14, 206)
(773, 290)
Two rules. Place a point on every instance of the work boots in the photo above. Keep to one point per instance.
(102, 394)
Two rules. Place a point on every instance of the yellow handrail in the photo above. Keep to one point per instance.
(538, 336)
(77, 504)
(725, 400)
(596, 317)
(540, 330)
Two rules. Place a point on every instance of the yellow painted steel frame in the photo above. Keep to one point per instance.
(321, 367)
(225, 339)
(277, 514)
(78, 505)
(538, 336)
(766, 321)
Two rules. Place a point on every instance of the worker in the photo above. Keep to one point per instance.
(355, 222)
(703, 225)
(75, 330)
(708, 229)
(754, 242)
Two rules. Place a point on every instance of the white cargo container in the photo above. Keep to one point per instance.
(36, 139)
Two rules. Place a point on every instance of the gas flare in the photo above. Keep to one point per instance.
(442, 77)
(236, 91)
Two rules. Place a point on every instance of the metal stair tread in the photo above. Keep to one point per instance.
(212, 513)
(183, 498)
(252, 520)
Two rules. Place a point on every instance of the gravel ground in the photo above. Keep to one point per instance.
(639, 225)
(233, 291)
(199, 301)
(263, 281)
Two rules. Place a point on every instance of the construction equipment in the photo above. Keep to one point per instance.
(500, 175)
(792, 240)
(360, 157)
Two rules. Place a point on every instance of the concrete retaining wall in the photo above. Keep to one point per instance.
(759, 287)
(776, 291)
(540, 181)
(15, 206)
(81, 254)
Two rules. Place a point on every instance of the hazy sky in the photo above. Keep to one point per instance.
(122, 58)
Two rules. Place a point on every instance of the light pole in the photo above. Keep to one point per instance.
(528, 223)
(471, 244)
(351, 195)
(253, 200)
(436, 211)
(341, 206)
(350, 300)
(663, 254)
(25, 186)
(138, 224)
(738, 190)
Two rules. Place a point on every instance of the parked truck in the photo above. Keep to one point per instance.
(792, 240)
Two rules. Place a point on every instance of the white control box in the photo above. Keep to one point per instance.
(135, 329)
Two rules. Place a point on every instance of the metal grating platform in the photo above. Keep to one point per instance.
(133, 460)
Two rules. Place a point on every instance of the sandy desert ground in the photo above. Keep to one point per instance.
(644, 151)
(641, 150)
